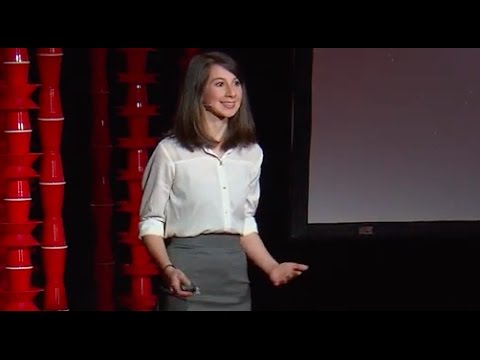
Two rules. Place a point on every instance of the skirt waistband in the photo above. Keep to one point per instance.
(210, 241)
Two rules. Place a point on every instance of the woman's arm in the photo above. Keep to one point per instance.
(156, 247)
(256, 251)
(156, 185)
(278, 274)
(251, 242)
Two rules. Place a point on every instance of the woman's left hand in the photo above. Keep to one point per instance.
(284, 272)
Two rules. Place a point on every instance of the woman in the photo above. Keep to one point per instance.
(201, 190)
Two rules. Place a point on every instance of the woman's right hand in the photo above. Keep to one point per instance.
(174, 279)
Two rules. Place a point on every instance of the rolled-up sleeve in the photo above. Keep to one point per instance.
(253, 198)
(156, 186)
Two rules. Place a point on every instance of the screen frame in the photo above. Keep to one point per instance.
(300, 229)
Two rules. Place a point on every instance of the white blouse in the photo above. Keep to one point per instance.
(191, 193)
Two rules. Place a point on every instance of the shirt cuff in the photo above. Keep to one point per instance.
(250, 226)
(151, 227)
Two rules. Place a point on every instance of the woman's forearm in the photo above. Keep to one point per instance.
(156, 247)
(256, 251)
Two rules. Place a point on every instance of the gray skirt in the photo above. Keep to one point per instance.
(217, 264)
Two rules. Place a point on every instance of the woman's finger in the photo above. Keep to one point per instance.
(183, 279)
(175, 285)
(300, 267)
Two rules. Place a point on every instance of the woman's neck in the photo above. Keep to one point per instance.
(216, 127)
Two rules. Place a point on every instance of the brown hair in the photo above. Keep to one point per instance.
(189, 123)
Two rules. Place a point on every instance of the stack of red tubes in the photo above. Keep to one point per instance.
(137, 111)
(52, 181)
(16, 239)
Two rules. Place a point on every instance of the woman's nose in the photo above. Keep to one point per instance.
(231, 92)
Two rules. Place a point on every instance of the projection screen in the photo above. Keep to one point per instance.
(386, 141)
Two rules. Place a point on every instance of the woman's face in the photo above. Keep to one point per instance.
(223, 92)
